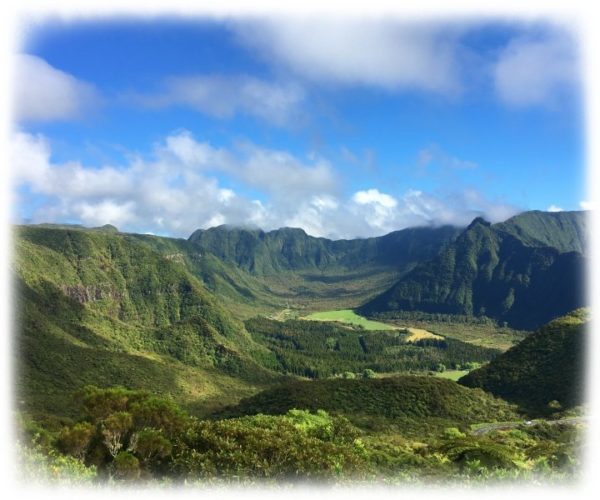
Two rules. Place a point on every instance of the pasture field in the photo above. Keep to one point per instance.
(417, 334)
(452, 374)
(350, 317)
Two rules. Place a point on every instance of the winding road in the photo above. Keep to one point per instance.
(484, 429)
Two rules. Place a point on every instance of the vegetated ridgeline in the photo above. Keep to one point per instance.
(286, 249)
(543, 373)
(420, 400)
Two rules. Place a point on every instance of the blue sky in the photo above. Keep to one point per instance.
(343, 126)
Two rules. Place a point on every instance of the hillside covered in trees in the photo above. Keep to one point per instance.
(543, 373)
(525, 272)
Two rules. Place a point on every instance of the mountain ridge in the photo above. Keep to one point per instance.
(508, 271)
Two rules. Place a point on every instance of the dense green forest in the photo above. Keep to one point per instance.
(543, 373)
(317, 349)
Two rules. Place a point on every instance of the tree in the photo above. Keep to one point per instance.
(100, 403)
(158, 413)
(368, 373)
(75, 440)
(114, 428)
(148, 444)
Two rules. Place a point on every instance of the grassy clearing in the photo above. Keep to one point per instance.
(350, 317)
(452, 374)
(417, 334)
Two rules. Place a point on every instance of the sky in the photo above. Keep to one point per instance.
(343, 126)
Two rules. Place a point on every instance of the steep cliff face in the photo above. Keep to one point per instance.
(488, 271)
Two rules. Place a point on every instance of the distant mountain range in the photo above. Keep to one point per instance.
(524, 271)
(291, 249)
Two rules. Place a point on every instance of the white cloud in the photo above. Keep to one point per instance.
(29, 158)
(282, 175)
(44, 93)
(224, 96)
(378, 209)
(554, 208)
(586, 205)
(97, 214)
(179, 189)
(374, 197)
(532, 72)
(354, 51)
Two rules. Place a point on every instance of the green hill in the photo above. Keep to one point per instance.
(488, 271)
(96, 307)
(547, 366)
(410, 402)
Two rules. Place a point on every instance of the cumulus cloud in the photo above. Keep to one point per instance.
(179, 188)
(226, 96)
(175, 192)
(586, 205)
(353, 51)
(554, 208)
(535, 71)
(44, 93)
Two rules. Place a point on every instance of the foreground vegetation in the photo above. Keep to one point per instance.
(126, 436)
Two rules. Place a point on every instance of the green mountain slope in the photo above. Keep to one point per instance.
(487, 271)
(549, 365)
(104, 308)
(565, 231)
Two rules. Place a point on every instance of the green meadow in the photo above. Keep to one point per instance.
(350, 317)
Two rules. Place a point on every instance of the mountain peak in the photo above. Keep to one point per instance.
(479, 221)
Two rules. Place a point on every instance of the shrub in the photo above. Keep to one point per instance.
(126, 466)
(75, 440)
